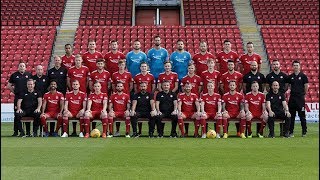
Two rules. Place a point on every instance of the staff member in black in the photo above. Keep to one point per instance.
(28, 105)
(277, 109)
(253, 75)
(277, 75)
(18, 84)
(143, 107)
(166, 106)
(41, 80)
(298, 83)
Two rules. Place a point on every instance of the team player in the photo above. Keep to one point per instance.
(91, 56)
(277, 75)
(255, 108)
(59, 74)
(224, 56)
(201, 58)
(52, 107)
(68, 58)
(156, 57)
(135, 58)
(231, 74)
(119, 107)
(188, 108)
(74, 107)
(253, 75)
(80, 73)
(113, 57)
(192, 79)
(96, 109)
(247, 59)
(169, 76)
(210, 104)
(102, 76)
(180, 60)
(146, 77)
(233, 108)
(210, 75)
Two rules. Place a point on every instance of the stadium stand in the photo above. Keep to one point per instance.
(209, 12)
(289, 43)
(30, 44)
(286, 12)
(105, 12)
(31, 12)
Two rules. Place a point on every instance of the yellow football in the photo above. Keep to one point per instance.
(95, 133)
(211, 134)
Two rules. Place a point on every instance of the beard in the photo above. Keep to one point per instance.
(119, 90)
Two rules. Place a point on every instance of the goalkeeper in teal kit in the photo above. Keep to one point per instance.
(180, 60)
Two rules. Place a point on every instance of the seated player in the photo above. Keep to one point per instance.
(96, 109)
(255, 108)
(233, 108)
(188, 108)
(210, 109)
(74, 107)
(119, 107)
(52, 107)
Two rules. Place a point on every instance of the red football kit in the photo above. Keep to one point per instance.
(246, 61)
(103, 78)
(232, 103)
(53, 103)
(255, 103)
(148, 78)
(75, 102)
(200, 62)
(195, 81)
(81, 74)
(214, 77)
(125, 78)
(211, 104)
(112, 60)
(227, 77)
(222, 59)
(90, 60)
(172, 78)
(68, 62)
(119, 102)
(97, 100)
(188, 107)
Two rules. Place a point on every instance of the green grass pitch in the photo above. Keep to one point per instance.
(144, 158)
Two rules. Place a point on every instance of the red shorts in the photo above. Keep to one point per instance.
(188, 114)
(119, 114)
(51, 114)
(233, 114)
(211, 116)
(96, 114)
(256, 118)
(74, 113)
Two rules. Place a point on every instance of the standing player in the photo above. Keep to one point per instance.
(255, 108)
(41, 80)
(96, 109)
(145, 77)
(253, 75)
(233, 75)
(91, 56)
(180, 60)
(52, 107)
(68, 58)
(193, 79)
(113, 57)
(169, 76)
(18, 84)
(200, 59)
(224, 56)
(156, 57)
(188, 108)
(59, 74)
(135, 58)
(210, 110)
(299, 84)
(247, 59)
(210, 75)
(119, 107)
(102, 76)
(277, 75)
(233, 108)
(80, 73)
(74, 107)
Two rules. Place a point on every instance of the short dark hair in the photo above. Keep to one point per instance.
(167, 62)
(112, 41)
(249, 43)
(165, 81)
(143, 63)
(230, 61)
(295, 61)
(179, 40)
(156, 36)
(100, 60)
(53, 80)
(226, 40)
(121, 62)
(67, 45)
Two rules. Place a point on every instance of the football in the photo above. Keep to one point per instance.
(211, 134)
(95, 133)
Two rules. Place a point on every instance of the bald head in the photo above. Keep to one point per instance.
(39, 70)
(254, 66)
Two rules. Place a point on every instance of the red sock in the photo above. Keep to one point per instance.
(242, 125)
(81, 125)
(127, 125)
(110, 125)
(181, 124)
(104, 125)
(59, 123)
(203, 125)
(218, 124)
(65, 124)
(44, 124)
(263, 124)
(249, 123)
(225, 125)
(87, 125)
(196, 126)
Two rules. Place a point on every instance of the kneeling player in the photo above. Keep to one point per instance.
(211, 109)
(188, 108)
(232, 104)
(255, 108)
(74, 107)
(96, 109)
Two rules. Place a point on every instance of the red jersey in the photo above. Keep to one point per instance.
(119, 102)
(255, 103)
(172, 78)
(103, 78)
(81, 74)
(188, 102)
(222, 59)
(206, 77)
(68, 62)
(90, 60)
(53, 101)
(97, 100)
(211, 102)
(112, 60)
(232, 102)
(200, 62)
(125, 78)
(227, 77)
(75, 101)
(148, 78)
(246, 61)
(195, 81)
